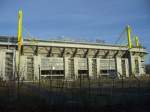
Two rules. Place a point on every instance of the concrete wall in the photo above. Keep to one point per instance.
(2, 64)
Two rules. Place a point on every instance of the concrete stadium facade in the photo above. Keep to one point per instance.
(69, 60)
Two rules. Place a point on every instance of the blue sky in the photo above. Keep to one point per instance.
(78, 19)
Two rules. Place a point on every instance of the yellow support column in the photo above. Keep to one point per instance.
(20, 30)
(136, 41)
(129, 36)
(19, 50)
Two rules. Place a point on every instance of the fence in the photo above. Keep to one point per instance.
(88, 91)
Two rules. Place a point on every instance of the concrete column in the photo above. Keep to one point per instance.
(98, 66)
(66, 67)
(118, 66)
(37, 63)
(23, 67)
(76, 67)
(17, 60)
(127, 67)
(131, 64)
(14, 63)
(90, 67)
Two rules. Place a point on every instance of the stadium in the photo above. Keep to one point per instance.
(68, 59)
(73, 75)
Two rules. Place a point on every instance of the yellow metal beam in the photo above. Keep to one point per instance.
(20, 39)
(128, 28)
(136, 41)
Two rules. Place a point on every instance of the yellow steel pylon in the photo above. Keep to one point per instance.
(128, 28)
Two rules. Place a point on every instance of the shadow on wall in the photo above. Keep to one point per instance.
(147, 68)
